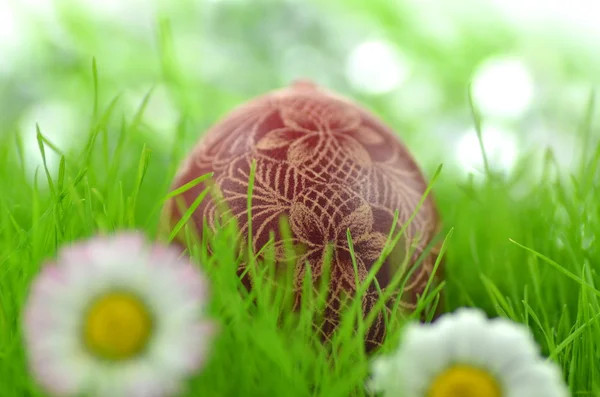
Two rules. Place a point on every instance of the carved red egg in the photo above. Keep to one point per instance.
(327, 166)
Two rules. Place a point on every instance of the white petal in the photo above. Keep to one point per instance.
(63, 370)
(512, 347)
(465, 333)
(184, 349)
(145, 378)
(421, 355)
(385, 376)
(541, 379)
(428, 352)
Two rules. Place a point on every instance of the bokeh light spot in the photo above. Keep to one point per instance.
(503, 87)
(376, 67)
(59, 122)
(500, 147)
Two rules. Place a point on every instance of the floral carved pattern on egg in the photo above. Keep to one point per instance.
(327, 166)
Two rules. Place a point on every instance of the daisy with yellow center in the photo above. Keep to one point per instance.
(116, 316)
(465, 354)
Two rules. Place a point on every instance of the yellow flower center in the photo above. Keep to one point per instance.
(464, 381)
(117, 326)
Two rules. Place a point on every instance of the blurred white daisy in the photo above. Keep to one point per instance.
(465, 354)
(117, 316)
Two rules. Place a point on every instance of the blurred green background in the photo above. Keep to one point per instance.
(532, 65)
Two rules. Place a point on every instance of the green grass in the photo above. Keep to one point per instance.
(522, 247)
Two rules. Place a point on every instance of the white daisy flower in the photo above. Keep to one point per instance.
(465, 354)
(116, 316)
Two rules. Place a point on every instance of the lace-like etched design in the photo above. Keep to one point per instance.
(326, 166)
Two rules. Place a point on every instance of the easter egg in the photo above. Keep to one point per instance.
(328, 167)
